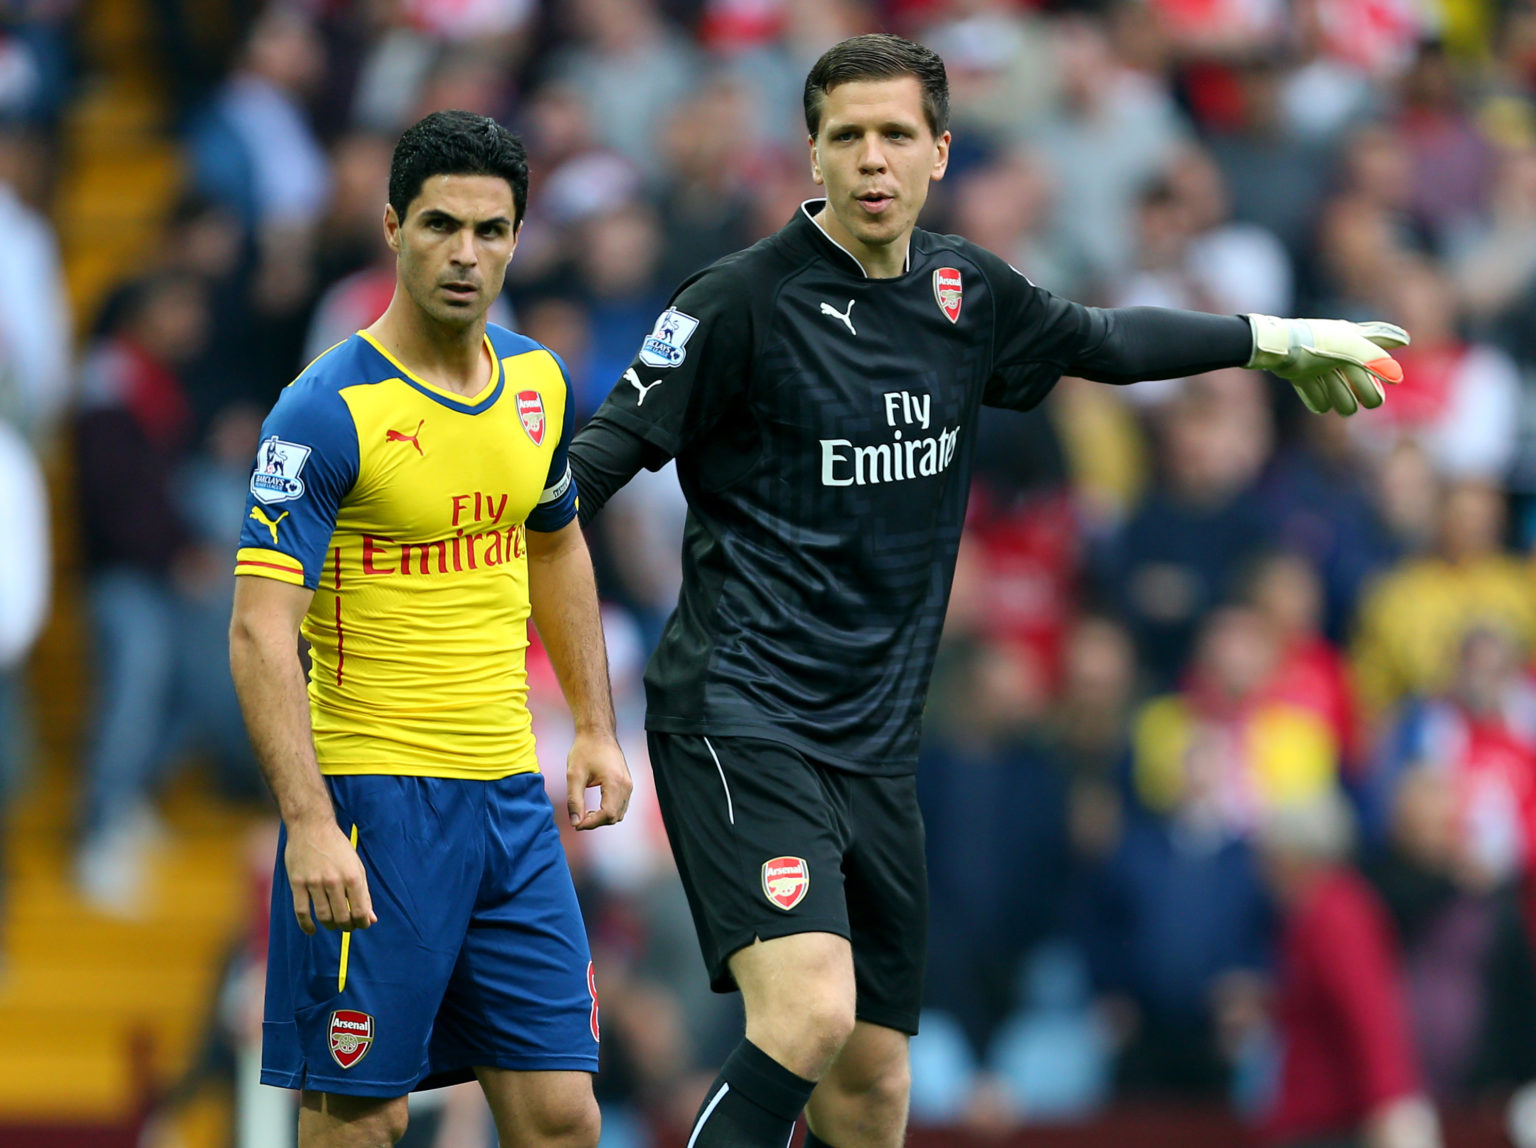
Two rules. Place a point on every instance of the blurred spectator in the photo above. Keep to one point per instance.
(469, 51)
(34, 309)
(1461, 401)
(1108, 133)
(1494, 262)
(252, 146)
(1240, 266)
(1310, 672)
(705, 207)
(1450, 160)
(1358, 250)
(1322, 93)
(1231, 745)
(25, 595)
(36, 61)
(143, 561)
(1413, 622)
(1317, 497)
(1347, 1073)
(1377, 166)
(1007, 206)
(1480, 733)
(1002, 74)
(1457, 933)
(994, 803)
(617, 255)
(1275, 178)
(630, 68)
(1181, 550)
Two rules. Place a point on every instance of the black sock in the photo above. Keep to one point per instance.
(753, 1103)
(814, 1141)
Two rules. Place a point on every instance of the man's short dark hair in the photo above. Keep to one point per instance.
(457, 143)
(879, 56)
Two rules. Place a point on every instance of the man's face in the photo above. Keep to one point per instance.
(876, 155)
(454, 245)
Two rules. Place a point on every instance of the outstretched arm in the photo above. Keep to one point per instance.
(1334, 365)
(563, 596)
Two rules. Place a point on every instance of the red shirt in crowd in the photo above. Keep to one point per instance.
(1343, 1021)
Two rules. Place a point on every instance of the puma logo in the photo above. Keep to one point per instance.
(643, 388)
(270, 523)
(413, 439)
(841, 316)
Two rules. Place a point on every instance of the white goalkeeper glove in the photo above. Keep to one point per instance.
(1335, 365)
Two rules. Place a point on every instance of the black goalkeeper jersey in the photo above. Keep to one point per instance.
(823, 425)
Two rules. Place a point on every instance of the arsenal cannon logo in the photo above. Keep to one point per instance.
(947, 289)
(530, 408)
(351, 1035)
(786, 880)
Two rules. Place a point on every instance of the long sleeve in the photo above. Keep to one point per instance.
(605, 456)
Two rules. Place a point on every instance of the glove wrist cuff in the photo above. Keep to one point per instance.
(1271, 342)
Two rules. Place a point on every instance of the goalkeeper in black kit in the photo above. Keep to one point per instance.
(820, 393)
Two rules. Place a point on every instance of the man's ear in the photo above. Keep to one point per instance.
(392, 228)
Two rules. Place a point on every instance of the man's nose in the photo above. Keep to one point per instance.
(463, 253)
(873, 158)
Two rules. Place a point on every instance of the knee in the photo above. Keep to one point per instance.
(828, 1023)
(335, 1121)
(883, 1088)
(572, 1124)
(805, 1037)
(390, 1125)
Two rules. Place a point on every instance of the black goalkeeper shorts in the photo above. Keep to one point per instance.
(769, 844)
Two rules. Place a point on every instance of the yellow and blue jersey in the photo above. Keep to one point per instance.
(405, 507)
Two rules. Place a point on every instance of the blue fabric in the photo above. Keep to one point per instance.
(479, 956)
(1173, 912)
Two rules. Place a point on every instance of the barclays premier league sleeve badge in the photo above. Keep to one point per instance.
(276, 477)
(663, 347)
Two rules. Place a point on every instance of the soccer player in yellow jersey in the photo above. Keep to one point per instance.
(410, 507)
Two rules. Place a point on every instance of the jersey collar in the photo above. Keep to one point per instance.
(468, 404)
(818, 236)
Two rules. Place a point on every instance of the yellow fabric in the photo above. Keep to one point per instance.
(419, 626)
(1283, 754)
(272, 564)
(1413, 621)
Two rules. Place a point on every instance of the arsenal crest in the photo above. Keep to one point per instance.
(351, 1035)
(786, 880)
(530, 408)
(947, 290)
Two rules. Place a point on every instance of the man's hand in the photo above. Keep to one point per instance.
(1335, 365)
(596, 759)
(325, 869)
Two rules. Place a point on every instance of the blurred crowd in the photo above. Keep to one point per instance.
(1230, 760)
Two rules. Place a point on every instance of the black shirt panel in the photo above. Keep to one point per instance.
(823, 425)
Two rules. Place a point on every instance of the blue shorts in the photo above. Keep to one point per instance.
(478, 958)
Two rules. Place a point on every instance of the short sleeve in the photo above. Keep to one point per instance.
(557, 502)
(306, 462)
(1037, 336)
(692, 366)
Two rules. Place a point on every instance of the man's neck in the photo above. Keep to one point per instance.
(448, 357)
(884, 262)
